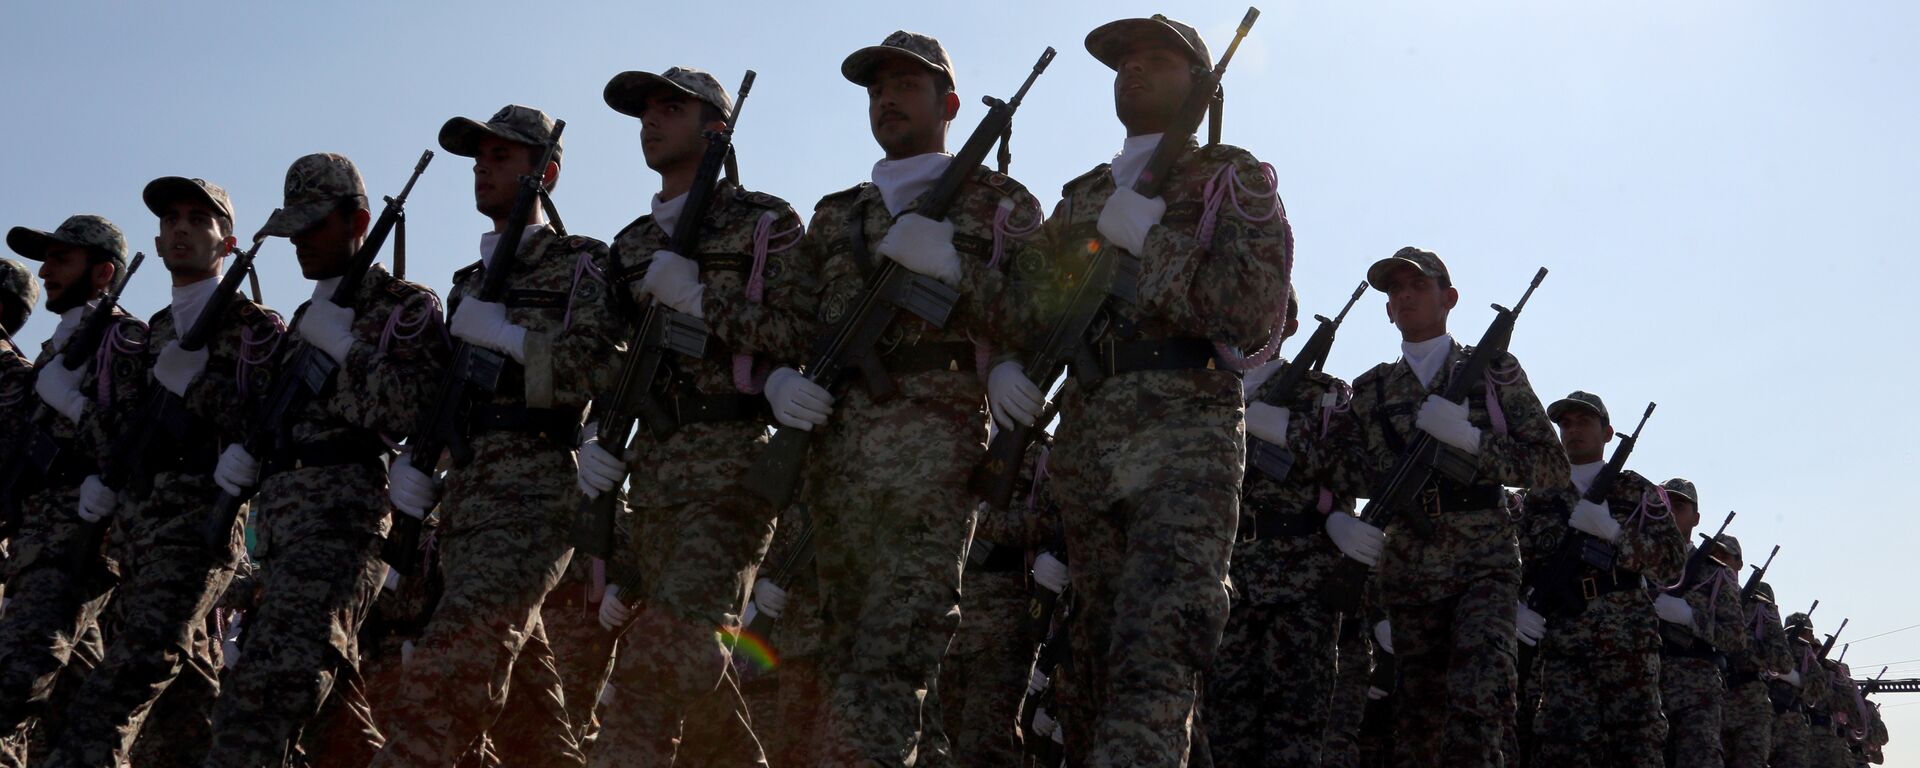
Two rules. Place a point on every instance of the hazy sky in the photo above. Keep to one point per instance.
(1717, 186)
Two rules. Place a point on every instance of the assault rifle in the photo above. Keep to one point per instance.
(1693, 574)
(1828, 647)
(1752, 586)
(1276, 461)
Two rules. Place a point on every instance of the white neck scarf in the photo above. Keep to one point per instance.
(1132, 159)
(1583, 475)
(490, 239)
(1426, 357)
(323, 288)
(188, 300)
(902, 181)
(1251, 383)
(666, 213)
(69, 322)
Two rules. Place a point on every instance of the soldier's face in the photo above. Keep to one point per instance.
(1686, 515)
(908, 110)
(1149, 88)
(1417, 304)
(69, 281)
(192, 239)
(497, 171)
(670, 132)
(1584, 435)
(325, 248)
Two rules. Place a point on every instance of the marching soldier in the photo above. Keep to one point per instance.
(506, 514)
(1697, 630)
(1793, 723)
(1598, 669)
(18, 294)
(1746, 715)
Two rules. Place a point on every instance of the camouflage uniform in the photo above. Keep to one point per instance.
(1271, 684)
(1827, 744)
(792, 734)
(506, 514)
(1792, 726)
(572, 620)
(1347, 704)
(1747, 715)
(1691, 684)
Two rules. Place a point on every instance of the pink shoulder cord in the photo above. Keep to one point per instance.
(1495, 379)
(256, 351)
(1003, 230)
(1648, 511)
(1722, 576)
(399, 327)
(116, 343)
(1859, 729)
(581, 266)
(745, 379)
(1226, 186)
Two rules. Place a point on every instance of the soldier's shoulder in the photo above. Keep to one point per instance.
(632, 230)
(582, 244)
(760, 200)
(1084, 179)
(1228, 153)
(1377, 372)
(400, 290)
(999, 182)
(841, 198)
(467, 271)
(1325, 380)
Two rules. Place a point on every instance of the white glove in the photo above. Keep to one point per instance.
(1269, 423)
(176, 367)
(600, 470)
(392, 582)
(1383, 635)
(1355, 539)
(1595, 519)
(1127, 216)
(613, 613)
(1050, 573)
(1793, 678)
(1045, 725)
(59, 388)
(1528, 623)
(328, 327)
(406, 654)
(484, 323)
(1375, 694)
(1447, 422)
(96, 500)
(747, 615)
(797, 402)
(412, 491)
(237, 470)
(674, 280)
(1014, 398)
(924, 246)
(770, 598)
(1673, 610)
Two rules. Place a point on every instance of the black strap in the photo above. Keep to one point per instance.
(365, 450)
(1277, 524)
(400, 245)
(711, 409)
(932, 356)
(1179, 354)
(561, 425)
(857, 237)
(988, 557)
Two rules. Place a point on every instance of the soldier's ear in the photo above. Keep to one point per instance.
(949, 106)
(102, 273)
(1453, 296)
(1293, 327)
(358, 221)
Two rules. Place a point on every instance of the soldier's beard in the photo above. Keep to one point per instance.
(70, 296)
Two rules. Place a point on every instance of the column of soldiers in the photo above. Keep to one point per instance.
(1156, 592)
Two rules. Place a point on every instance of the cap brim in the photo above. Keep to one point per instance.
(462, 135)
(1681, 494)
(627, 92)
(859, 65)
(167, 189)
(1561, 405)
(1110, 42)
(31, 243)
(1381, 270)
(287, 222)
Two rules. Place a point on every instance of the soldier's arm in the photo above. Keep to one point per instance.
(1347, 462)
(1733, 633)
(241, 350)
(1540, 530)
(780, 322)
(1528, 454)
(390, 379)
(1228, 289)
(1649, 544)
(127, 368)
(566, 365)
(985, 286)
(1033, 296)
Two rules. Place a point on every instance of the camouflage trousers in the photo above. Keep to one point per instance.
(720, 730)
(1347, 702)
(1789, 740)
(49, 612)
(984, 674)
(343, 733)
(1690, 693)
(582, 652)
(889, 495)
(1746, 725)
(1827, 749)
(1599, 711)
(1455, 702)
(482, 664)
(793, 738)
(1268, 692)
(34, 737)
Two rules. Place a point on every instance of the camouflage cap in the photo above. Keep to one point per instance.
(85, 230)
(166, 190)
(17, 283)
(315, 186)
(1730, 544)
(1799, 621)
(628, 92)
(1578, 399)
(1112, 41)
(515, 123)
(1426, 261)
(1682, 488)
(1764, 591)
(913, 46)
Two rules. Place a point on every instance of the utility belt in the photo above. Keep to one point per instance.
(365, 451)
(191, 456)
(716, 409)
(1178, 354)
(1442, 496)
(1698, 649)
(561, 426)
(1283, 525)
(988, 557)
(931, 356)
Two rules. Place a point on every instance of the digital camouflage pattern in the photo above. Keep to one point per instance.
(792, 734)
(572, 620)
(984, 674)
(1691, 686)
(1747, 714)
(1347, 705)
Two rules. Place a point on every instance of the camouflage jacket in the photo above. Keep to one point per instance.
(1649, 546)
(1290, 569)
(1717, 615)
(1814, 679)
(981, 233)
(1767, 640)
(558, 292)
(1466, 545)
(1031, 521)
(17, 402)
(800, 630)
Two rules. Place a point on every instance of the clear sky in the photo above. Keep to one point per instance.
(1716, 186)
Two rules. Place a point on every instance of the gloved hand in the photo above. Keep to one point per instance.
(176, 368)
(1050, 573)
(1127, 216)
(484, 323)
(1014, 398)
(1673, 610)
(1354, 538)
(96, 500)
(392, 582)
(412, 491)
(924, 246)
(1594, 519)
(237, 470)
(329, 328)
(600, 470)
(613, 613)
(1383, 635)
(1447, 422)
(1375, 694)
(797, 402)
(1528, 623)
(59, 388)
(1269, 423)
(674, 280)
(770, 598)
(1792, 677)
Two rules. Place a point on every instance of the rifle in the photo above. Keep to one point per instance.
(783, 576)
(1110, 274)
(308, 374)
(1752, 586)
(1551, 583)
(476, 371)
(1828, 647)
(35, 448)
(1691, 574)
(1054, 653)
(852, 343)
(1276, 461)
(662, 331)
(1423, 459)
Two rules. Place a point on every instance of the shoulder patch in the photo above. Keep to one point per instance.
(847, 193)
(461, 273)
(758, 199)
(997, 181)
(578, 243)
(1085, 177)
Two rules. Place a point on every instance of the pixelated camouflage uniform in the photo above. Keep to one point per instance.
(1827, 746)
(1347, 703)
(705, 532)
(1598, 669)
(792, 734)
(1691, 683)
(1792, 728)
(1746, 728)
(321, 514)
(507, 514)
(571, 616)
(1450, 595)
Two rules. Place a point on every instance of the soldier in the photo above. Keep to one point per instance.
(1746, 716)
(1698, 628)
(18, 294)
(52, 613)
(1272, 682)
(705, 532)
(792, 735)
(1827, 741)
(507, 512)
(1792, 728)
(1347, 704)
(888, 484)
(1598, 669)
(321, 508)
(162, 659)
(1147, 465)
